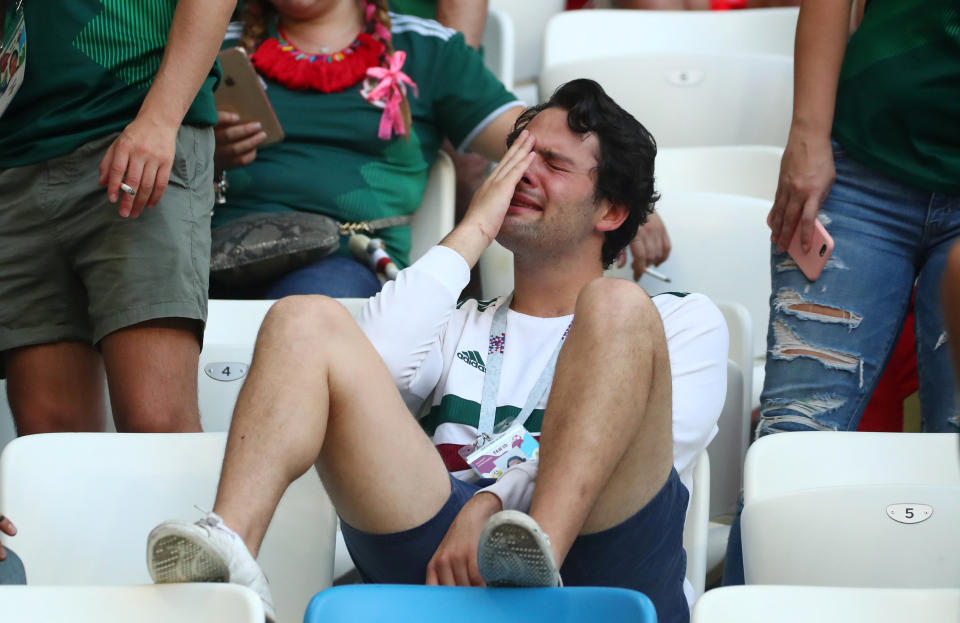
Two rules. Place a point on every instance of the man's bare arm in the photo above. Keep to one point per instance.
(491, 142)
(143, 154)
(806, 170)
(467, 16)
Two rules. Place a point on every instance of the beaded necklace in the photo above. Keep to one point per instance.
(281, 61)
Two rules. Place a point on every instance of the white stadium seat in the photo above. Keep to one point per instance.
(749, 170)
(225, 358)
(725, 452)
(721, 247)
(694, 99)
(529, 24)
(860, 509)
(183, 603)
(580, 35)
(435, 217)
(736, 437)
(822, 604)
(729, 447)
(499, 45)
(529, 19)
(84, 504)
(228, 343)
(695, 525)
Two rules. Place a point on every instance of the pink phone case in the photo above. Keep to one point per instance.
(821, 246)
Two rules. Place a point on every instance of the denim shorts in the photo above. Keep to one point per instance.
(644, 553)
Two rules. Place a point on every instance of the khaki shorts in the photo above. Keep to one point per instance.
(72, 269)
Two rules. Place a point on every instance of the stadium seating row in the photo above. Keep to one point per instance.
(871, 510)
(194, 603)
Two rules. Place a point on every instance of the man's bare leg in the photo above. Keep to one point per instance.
(606, 445)
(56, 388)
(152, 374)
(319, 393)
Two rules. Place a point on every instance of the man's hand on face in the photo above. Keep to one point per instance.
(455, 561)
(484, 217)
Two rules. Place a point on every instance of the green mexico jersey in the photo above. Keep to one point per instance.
(420, 8)
(331, 160)
(898, 99)
(91, 63)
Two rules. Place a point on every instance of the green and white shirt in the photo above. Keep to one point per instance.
(332, 161)
(91, 64)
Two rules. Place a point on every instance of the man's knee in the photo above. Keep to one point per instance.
(55, 388)
(142, 417)
(38, 413)
(303, 317)
(616, 305)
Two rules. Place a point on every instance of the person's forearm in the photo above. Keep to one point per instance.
(192, 45)
(405, 321)
(467, 16)
(491, 142)
(820, 44)
(470, 239)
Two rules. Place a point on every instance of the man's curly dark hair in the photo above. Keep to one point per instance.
(624, 171)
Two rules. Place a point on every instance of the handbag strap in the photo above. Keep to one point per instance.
(375, 224)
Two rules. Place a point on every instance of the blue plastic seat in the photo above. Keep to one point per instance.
(425, 604)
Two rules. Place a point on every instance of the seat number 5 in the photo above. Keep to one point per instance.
(909, 513)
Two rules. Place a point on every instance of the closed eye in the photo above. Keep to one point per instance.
(555, 167)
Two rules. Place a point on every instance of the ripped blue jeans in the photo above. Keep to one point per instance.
(829, 340)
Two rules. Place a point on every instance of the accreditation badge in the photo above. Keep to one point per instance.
(491, 455)
(13, 50)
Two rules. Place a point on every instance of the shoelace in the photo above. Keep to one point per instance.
(209, 521)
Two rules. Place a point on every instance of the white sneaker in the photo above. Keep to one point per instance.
(205, 551)
(514, 551)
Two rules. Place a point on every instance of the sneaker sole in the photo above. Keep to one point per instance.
(514, 552)
(176, 558)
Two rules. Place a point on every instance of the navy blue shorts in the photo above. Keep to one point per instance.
(644, 553)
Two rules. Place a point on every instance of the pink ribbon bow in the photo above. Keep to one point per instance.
(389, 89)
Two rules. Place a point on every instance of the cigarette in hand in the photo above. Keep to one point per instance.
(657, 274)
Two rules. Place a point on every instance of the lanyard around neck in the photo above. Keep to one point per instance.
(491, 379)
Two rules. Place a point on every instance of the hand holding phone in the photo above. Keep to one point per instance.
(240, 92)
(812, 262)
